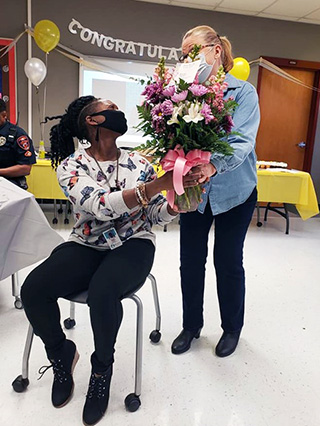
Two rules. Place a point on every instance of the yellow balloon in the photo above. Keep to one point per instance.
(46, 35)
(240, 69)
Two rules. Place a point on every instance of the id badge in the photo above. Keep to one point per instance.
(112, 238)
(186, 71)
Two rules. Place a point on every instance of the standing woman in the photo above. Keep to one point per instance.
(229, 201)
(116, 199)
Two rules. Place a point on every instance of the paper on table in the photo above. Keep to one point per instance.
(277, 169)
(26, 236)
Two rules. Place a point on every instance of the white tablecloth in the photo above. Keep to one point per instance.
(25, 234)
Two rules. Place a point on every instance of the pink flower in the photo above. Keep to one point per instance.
(169, 91)
(167, 107)
(179, 97)
(198, 89)
(207, 113)
(156, 113)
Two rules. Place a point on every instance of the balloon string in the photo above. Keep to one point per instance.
(44, 102)
(39, 113)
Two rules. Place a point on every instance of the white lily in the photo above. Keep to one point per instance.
(177, 110)
(193, 113)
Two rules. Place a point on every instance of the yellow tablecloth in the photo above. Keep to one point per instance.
(287, 187)
(273, 186)
(43, 182)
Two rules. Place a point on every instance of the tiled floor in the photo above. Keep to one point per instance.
(272, 380)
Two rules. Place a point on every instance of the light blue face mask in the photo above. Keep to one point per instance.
(205, 69)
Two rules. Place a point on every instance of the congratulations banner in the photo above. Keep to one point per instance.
(121, 46)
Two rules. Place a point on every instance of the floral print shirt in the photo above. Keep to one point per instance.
(97, 209)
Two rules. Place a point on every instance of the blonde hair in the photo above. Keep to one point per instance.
(210, 36)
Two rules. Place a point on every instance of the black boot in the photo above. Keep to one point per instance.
(97, 397)
(183, 342)
(227, 344)
(63, 365)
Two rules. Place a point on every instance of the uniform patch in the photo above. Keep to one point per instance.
(3, 140)
(23, 142)
(28, 154)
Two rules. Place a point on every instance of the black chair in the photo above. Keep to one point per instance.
(132, 401)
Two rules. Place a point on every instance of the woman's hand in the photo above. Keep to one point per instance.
(205, 171)
(191, 179)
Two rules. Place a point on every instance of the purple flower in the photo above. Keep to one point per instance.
(153, 91)
(156, 113)
(167, 107)
(198, 89)
(229, 124)
(207, 113)
(179, 97)
(169, 91)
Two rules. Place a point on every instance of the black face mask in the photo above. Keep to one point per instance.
(114, 120)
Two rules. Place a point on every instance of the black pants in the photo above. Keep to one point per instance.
(230, 231)
(108, 275)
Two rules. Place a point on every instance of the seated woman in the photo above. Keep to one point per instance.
(116, 199)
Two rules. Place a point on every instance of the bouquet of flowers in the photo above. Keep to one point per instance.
(185, 123)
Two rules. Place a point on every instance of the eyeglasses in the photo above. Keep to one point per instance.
(184, 56)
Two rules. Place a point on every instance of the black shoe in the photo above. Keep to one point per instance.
(227, 344)
(63, 365)
(97, 397)
(183, 342)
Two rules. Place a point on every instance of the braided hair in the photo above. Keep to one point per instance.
(72, 124)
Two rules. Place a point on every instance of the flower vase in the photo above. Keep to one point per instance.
(189, 200)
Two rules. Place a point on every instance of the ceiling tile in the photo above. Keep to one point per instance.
(298, 8)
(200, 3)
(314, 15)
(310, 21)
(307, 11)
(281, 17)
(237, 11)
(193, 5)
(246, 5)
(155, 1)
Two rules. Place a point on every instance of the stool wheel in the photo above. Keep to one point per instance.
(18, 304)
(155, 336)
(69, 323)
(259, 224)
(54, 220)
(60, 211)
(19, 384)
(66, 221)
(132, 402)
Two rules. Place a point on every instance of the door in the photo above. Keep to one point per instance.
(285, 116)
(7, 79)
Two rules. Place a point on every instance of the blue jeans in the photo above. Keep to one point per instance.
(230, 231)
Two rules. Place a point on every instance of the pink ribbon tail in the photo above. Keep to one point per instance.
(170, 197)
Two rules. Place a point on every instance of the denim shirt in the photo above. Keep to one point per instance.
(236, 174)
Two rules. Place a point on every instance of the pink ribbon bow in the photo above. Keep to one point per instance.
(181, 164)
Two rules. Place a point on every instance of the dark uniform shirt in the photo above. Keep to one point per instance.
(15, 148)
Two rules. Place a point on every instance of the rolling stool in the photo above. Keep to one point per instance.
(16, 291)
(132, 401)
(67, 211)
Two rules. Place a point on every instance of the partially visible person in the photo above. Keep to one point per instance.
(228, 201)
(16, 150)
(116, 199)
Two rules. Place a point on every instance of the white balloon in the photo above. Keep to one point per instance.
(35, 70)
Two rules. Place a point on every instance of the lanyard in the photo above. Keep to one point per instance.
(112, 189)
